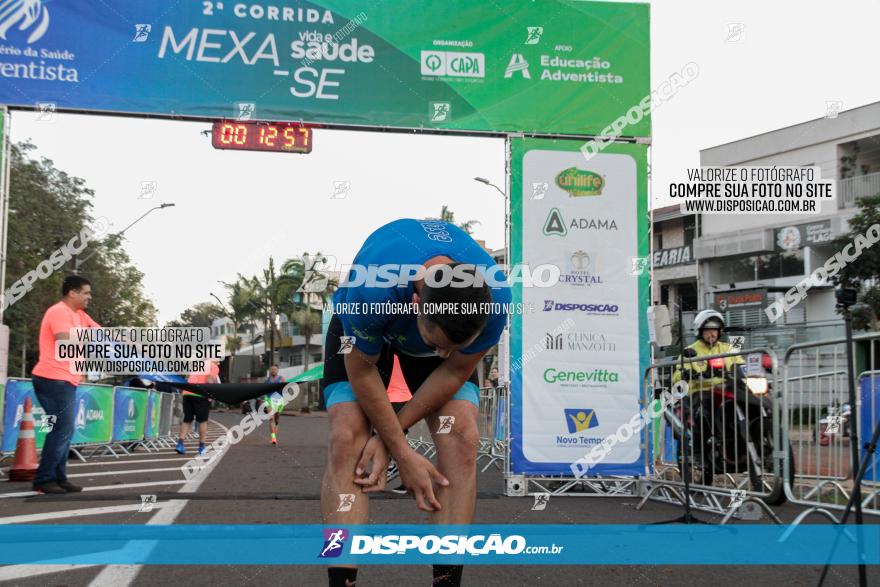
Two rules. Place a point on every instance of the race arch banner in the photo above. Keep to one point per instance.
(550, 67)
(578, 356)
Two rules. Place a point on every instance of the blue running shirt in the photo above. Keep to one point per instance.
(412, 242)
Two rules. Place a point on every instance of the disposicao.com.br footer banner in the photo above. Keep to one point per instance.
(527, 544)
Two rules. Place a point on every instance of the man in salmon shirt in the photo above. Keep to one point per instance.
(197, 407)
(55, 385)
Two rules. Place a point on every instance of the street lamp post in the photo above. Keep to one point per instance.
(78, 262)
(506, 219)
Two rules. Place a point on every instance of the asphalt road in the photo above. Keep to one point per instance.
(294, 468)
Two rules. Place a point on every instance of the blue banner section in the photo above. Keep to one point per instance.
(17, 392)
(422, 544)
(870, 418)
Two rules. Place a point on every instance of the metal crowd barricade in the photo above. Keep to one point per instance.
(733, 449)
(490, 425)
(820, 423)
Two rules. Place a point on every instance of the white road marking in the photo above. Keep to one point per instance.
(124, 575)
(128, 472)
(78, 513)
(127, 462)
(13, 572)
(97, 488)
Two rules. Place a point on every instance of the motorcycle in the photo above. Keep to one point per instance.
(729, 426)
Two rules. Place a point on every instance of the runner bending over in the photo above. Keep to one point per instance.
(438, 353)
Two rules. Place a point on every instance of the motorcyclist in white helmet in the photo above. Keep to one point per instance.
(702, 375)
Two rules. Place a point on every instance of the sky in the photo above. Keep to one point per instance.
(233, 210)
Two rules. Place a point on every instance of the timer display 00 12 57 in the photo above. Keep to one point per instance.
(279, 137)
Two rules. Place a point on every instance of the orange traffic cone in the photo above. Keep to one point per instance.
(26, 462)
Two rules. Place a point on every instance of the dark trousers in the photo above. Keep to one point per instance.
(57, 398)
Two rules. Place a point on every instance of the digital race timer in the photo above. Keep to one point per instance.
(283, 137)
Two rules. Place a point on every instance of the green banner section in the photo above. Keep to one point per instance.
(152, 426)
(549, 67)
(129, 414)
(94, 414)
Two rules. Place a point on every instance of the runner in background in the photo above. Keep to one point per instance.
(398, 395)
(197, 407)
(275, 401)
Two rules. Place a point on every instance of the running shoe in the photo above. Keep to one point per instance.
(401, 489)
(180, 448)
(201, 448)
(393, 471)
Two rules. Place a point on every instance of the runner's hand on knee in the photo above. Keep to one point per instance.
(417, 474)
(374, 454)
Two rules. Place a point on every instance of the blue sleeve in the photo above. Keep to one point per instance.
(367, 328)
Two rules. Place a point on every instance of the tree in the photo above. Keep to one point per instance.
(306, 283)
(48, 207)
(863, 271)
(447, 215)
(202, 315)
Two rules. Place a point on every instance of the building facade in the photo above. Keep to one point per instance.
(747, 261)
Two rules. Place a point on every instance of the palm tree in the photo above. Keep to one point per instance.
(303, 283)
(447, 215)
(240, 310)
